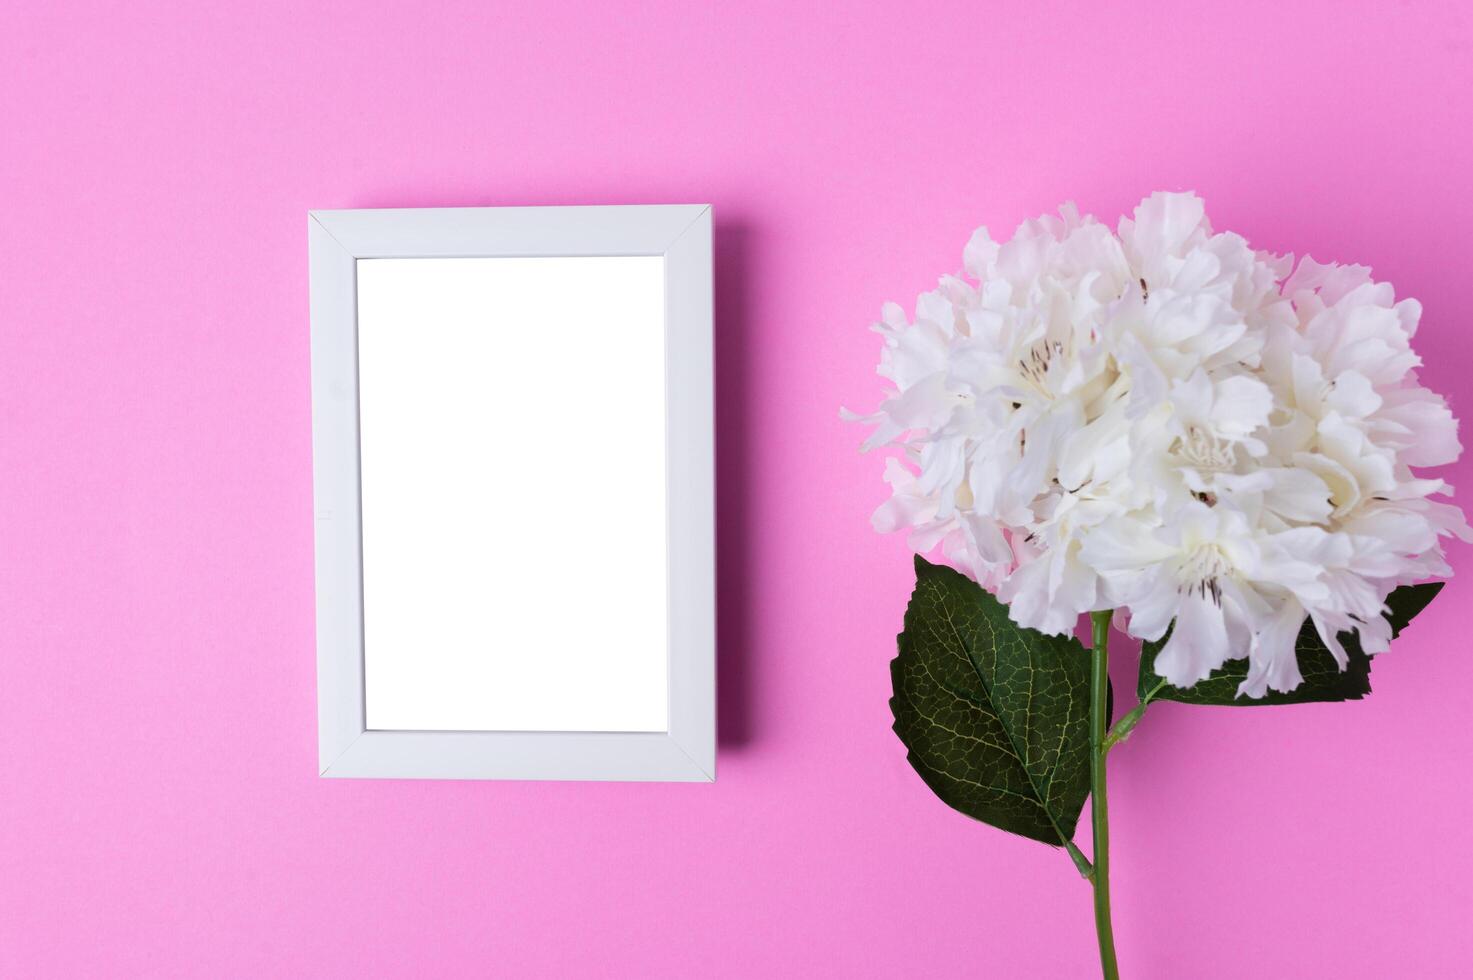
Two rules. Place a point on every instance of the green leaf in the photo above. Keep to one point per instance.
(1323, 678)
(996, 716)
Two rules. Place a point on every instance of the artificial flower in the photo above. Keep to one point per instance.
(1215, 442)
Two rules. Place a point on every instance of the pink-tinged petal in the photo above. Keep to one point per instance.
(980, 254)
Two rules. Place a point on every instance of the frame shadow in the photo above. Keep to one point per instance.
(734, 356)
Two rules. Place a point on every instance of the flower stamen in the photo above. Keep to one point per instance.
(1201, 572)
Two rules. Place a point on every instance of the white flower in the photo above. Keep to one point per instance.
(1210, 570)
(1162, 421)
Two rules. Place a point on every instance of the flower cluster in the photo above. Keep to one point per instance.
(1162, 421)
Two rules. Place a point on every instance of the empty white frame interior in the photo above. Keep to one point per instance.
(512, 445)
(516, 403)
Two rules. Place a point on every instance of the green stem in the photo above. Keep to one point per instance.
(1099, 692)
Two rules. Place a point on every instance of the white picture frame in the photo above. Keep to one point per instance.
(681, 234)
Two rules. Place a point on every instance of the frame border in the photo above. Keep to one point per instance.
(681, 233)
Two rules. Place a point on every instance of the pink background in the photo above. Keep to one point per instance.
(160, 812)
